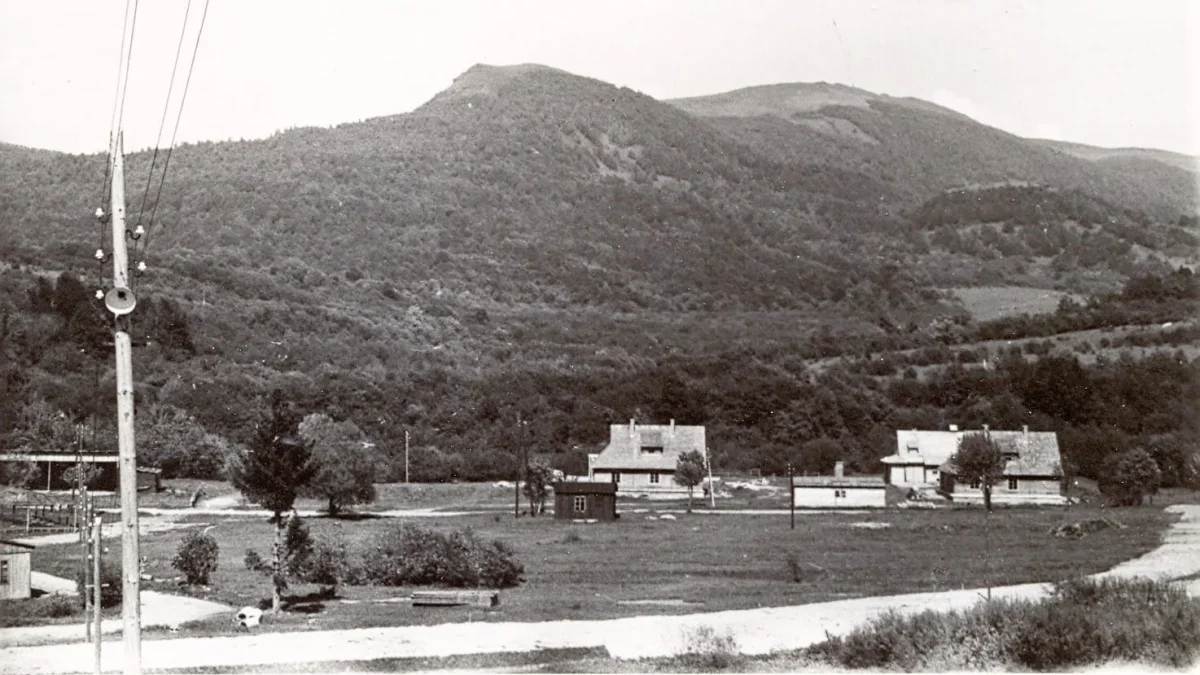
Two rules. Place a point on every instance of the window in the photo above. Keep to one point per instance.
(4, 572)
(839, 493)
(653, 476)
(580, 504)
(616, 476)
(976, 483)
(1012, 483)
(652, 449)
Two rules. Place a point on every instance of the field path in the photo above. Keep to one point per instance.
(756, 631)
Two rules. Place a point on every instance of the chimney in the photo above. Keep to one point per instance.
(631, 425)
(839, 469)
(1025, 429)
(985, 430)
(953, 427)
(672, 427)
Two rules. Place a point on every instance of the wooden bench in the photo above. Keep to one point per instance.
(455, 598)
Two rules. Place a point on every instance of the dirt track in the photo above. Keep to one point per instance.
(756, 631)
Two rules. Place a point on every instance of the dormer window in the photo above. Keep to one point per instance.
(652, 449)
(912, 447)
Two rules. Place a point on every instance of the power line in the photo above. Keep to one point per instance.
(166, 108)
(174, 133)
(128, 64)
(112, 122)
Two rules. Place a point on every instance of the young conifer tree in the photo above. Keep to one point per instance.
(271, 473)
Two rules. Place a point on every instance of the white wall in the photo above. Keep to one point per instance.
(829, 497)
(665, 479)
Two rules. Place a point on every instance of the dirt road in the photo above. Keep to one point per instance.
(755, 631)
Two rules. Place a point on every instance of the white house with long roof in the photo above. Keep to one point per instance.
(1032, 465)
(641, 458)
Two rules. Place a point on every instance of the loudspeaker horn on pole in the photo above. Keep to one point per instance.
(120, 301)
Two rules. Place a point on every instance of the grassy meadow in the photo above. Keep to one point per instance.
(695, 563)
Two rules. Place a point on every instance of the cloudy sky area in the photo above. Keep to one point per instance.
(1100, 72)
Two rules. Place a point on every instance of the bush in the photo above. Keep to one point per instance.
(326, 564)
(31, 611)
(412, 555)
(1082, 623)
(110, 582)
(196, 557)
(706, 650)
(1089, 621)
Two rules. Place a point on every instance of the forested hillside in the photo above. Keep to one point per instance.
(534, 242)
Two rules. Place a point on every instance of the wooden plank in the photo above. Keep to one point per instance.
(455, 598)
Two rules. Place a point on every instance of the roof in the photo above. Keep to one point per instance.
(925, 448)
(624, 449)
(584, 488)
(839, 481)
(10, 546)
(1036, 452)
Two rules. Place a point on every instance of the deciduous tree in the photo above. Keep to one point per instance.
(689, 471)
(979, 459)
(537, 484)
(346, 462)
(1130, 476)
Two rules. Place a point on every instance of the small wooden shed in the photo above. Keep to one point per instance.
(15, 565)
(585, 501)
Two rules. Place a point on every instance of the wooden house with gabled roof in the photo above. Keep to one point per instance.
(640, 458)
(1032, 471)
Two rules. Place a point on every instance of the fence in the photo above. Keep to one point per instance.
(47, 517)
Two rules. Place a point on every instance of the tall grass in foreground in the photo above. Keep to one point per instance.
(1081, 623)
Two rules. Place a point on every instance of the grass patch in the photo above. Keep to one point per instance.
(39, 611)
(993, 302)
(712, 563)
(1084, 622)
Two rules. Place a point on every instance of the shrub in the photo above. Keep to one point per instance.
(326, 564)
(196, 557)
(412, 555)
(31, 611)
(110, 582)
(704, 649)
(1089, 621)
(1081, 623)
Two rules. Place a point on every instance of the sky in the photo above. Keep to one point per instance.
(1107, 73)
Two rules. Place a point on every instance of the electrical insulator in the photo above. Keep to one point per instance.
(99, 254)
(99, 295)
(139, 231)
(99, 213)
(141, 266)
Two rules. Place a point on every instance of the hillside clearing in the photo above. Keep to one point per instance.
(993, 302)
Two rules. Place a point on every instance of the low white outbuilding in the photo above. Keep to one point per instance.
(839, 491)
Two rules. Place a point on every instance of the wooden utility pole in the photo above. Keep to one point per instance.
(96, 590)
(791, 495)
(712, 489)
(406, 455)
(120, 301)
(517, 482)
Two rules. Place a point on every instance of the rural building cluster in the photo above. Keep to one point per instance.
(640, 461)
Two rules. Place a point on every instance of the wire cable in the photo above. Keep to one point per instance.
(183, 100)
(128, 67)
(166, 108)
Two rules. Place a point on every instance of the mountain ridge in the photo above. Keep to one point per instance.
(533, 240)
